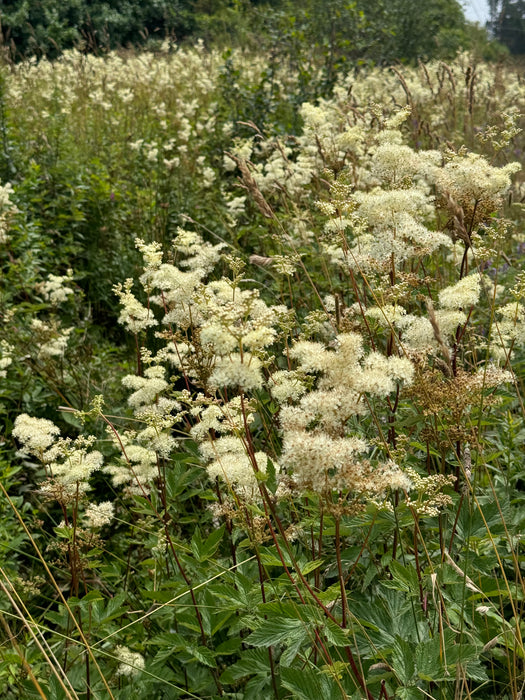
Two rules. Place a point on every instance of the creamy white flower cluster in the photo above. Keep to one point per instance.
(218, 333)
(391, 213)
(55, 289)
(50, 338)
(456, 303)
(319, 452)
(131, 663)
(99, 514)
(140, 450)
(7, 211)
(70, 463)
(472, 181)
(6, 357)
(222, 432)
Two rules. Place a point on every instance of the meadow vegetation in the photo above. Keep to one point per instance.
(261, 360)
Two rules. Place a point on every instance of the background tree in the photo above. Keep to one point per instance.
(507, 21)
(338, 30)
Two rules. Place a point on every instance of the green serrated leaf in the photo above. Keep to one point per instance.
(271, 481)
(403, 661)
(274, 631)
(204, 655)
(307, 684)
(310, 566)
(335, 635)
(404, 578)
(252, 662)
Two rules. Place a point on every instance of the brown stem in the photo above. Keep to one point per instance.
(456, 519)
(344, 601)
(270, 650)
(139, 364)
(418, 567)
(268, 504)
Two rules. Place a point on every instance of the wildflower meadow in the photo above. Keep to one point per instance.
(262, 353)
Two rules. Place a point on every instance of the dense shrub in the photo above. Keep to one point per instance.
(338, 30)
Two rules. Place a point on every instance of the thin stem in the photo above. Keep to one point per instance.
(342, 588)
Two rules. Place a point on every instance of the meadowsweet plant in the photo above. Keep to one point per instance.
(294, 468)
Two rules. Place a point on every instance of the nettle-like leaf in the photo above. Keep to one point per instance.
(252, 662)
(403, 662)
(309, 684)
(205, 549)
(404, 578)
(276, 631)
(435, 660)
(176, 645)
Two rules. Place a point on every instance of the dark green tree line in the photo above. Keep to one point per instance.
(507, 20)
(341, 30)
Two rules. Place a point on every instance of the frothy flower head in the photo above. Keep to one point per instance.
(35, 434)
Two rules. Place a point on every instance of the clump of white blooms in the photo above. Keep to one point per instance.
(509, 330)
(137, 466)
(225, 445)
(473, 182)
(146, 389)
(462, 295)
(55, 289)
(6, 357)
(7, 211)
(285, 384)
(72, 462)
(99, 514)
(230, 460)
(222, 330)
(131, 663)
(50, 339)
(35, 434)
(134, 316)
(319, 449)
(69, 463)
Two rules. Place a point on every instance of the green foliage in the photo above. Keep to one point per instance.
(508, 24)
(341, 32)
(48, 27)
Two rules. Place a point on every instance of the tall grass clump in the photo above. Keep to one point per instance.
(294, 470)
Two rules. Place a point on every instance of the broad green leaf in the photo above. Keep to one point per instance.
(429, 660)
(308, 684)
(404, 578)
(204, 549)
(310, 566)
(274, 631)
(252, 662)
(335, 635)
(403, 662)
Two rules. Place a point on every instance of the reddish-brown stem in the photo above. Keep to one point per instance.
(383, 693)
(139, 364)
(348, 651)
(456, 519)
(418, 567)
(319, 546)
(263, 596)
(342, 588)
